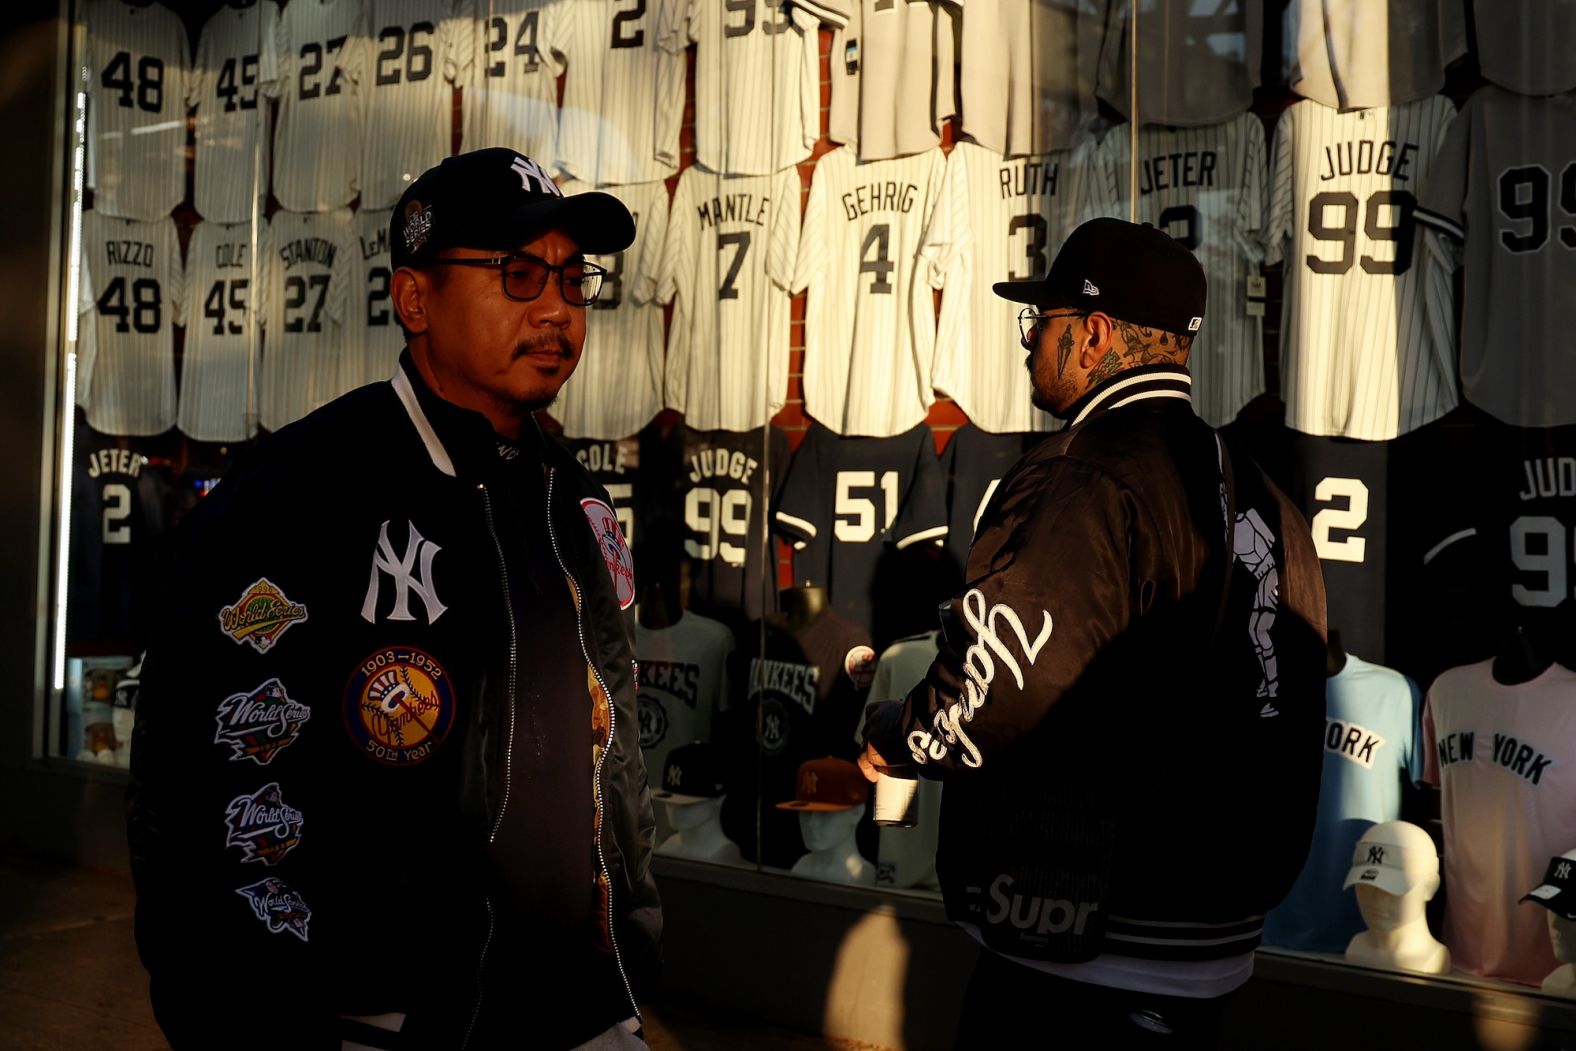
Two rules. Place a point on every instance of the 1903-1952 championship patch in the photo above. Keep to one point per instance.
(615, 549)
(399, 705)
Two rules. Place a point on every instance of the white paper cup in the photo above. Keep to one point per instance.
(897, 801)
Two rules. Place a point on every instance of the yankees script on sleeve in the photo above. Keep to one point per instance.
(1026, 626)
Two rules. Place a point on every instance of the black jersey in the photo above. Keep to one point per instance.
(974, 463)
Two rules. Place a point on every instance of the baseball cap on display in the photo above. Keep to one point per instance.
(692, 774)
(1557, 892)
(1387, 858)
(828, 784)
(499, 199)
(1130, 271)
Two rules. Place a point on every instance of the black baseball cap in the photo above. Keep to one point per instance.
(499, 199)
(692, 774)
(1557, 892)
(1130, 271)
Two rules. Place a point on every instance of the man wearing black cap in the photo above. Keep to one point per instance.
(1128, 704)
(387, 788)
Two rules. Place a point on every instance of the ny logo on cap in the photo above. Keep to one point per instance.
(1089, 288)
(1376, 855)
(533, 177)
(675, 776)
(1562, 870)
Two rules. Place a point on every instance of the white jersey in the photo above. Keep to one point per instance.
(137, 70)
(1029, 69)
(133, 287)
(317, 141)
(1498, 193)
(306, 277)
(683, 683)
(217, 366)
(729, 261)
(407, 94)
(1201, 61)
(1361, 354)
(998, 220)
(508, 61)
(371, 329)
(624, 93)
(870, 320)
(1504, 758)
(1350, 54)
(892, 77)
(757, 80)
(235, 62)
(616, 389)
(1206, 188)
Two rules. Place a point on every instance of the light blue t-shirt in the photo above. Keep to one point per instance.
(1371, 741)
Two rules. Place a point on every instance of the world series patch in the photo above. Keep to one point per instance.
(281, 908)
(259, 723)
(262, 825)
(615, 549)
(399, 705)
(260, 615)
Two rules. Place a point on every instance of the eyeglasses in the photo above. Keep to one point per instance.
(525, 277)
(1029, 321)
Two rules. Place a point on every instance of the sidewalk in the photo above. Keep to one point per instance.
(70, 979)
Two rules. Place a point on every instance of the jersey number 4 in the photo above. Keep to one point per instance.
(1396, 205)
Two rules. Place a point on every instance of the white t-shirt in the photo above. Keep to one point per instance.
(683, 683)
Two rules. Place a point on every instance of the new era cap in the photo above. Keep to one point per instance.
(828, 784)
(1132, 272)
(692, 774)
(1394, 856)
(499, 199)
(1557, 892)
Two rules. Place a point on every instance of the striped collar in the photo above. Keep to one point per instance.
(1133, 385)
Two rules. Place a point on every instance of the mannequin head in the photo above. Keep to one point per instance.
(1395, 869)
(828, 829)
(686, 817)
(1557, 894)
(1388, 912)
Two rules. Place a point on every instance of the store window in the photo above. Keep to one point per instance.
(800, 393)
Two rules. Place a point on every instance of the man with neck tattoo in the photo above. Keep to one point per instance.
(396, 668)
(1128, 703)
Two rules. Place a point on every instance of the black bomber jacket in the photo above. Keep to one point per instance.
(1131, 755)
(322, 742)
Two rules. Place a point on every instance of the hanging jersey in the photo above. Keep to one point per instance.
(616, 389)
(236, 61)
(408, 99)
(1531, 54)
(509, 67)
(727, 266)
(136, 82)
(870, 321)
(973, 464)
(133, 289)
(1201, 60)
(218, 368)
(683, 683)
(1362, 355)
(307, 276)
(892, 77)
(1351, 54)
(372, 330)
(318, 137)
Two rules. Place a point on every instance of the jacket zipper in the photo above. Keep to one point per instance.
(612, 725)
(481, 967)
(508, 603)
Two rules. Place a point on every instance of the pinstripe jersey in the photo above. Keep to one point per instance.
(216, 365)
(133, 285)
(997, 220)
(757, 80)
(137, 70)
(1206, 188)
(1028, 73)
(892, 77)
(1501, 192)
(306, 276)
(624, 93)
(1533, 53)
(1362, 356)
(409, 104)
(729, 258)
(615, 390)
(508, 66)
(870, 322)
(235, 60)
(371, 329)
(1207, 57)
(317, 141)
(1349, 54)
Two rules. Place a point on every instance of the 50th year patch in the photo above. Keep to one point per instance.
(399, 705)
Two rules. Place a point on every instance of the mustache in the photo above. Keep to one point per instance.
(546, 345)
